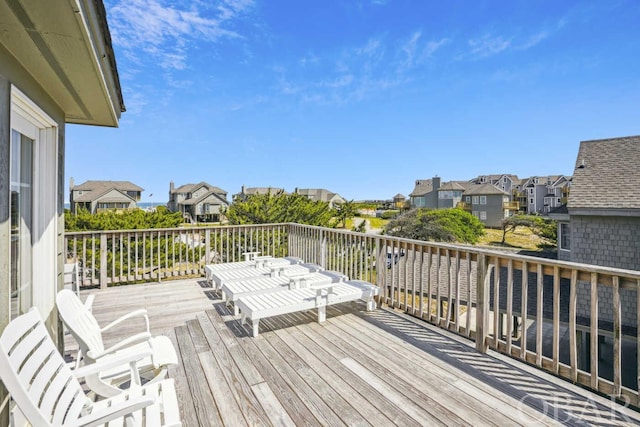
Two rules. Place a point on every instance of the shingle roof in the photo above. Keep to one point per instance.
(484, 189)
(606, 175)
(105, 185)
(399, 196)
(263, 190)
(189, 188)
(320, 194)
(92, 195)
(452, 185)
(196, 200)
(423, 186)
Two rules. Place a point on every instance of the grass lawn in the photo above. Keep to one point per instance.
(521, 238)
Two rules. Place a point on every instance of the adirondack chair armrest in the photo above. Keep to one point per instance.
(89, 302)
(142, 312)
(111, 362)
(276, 271)
(142, 336)
(117, 410)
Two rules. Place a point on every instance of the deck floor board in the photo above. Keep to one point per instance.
(371, 369)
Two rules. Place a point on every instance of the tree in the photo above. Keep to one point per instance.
(542, 227)
(344, 211)
(134, 219)
(279, 208)
(442, 225)
(510, 224)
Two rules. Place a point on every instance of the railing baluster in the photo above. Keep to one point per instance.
(447, 322)
(509, 306)
(539, 314)
(469, 296)
(497, 319)
(573, 339)
(617, 337)
(556, 319)
(524, 313)
(595, 351)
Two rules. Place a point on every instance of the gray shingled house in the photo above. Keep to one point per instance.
(425, 193)
(321, 195)
(201, 202)
(602, 222)
(100, 196)
(57, 66)
(488, 203)
(601, 225)
(250, 191)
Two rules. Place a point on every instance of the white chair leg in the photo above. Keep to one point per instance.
(236, 310)
(255, 327)
(322, 313)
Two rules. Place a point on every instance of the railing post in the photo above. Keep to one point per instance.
(482, 302)
(323, 249)
(207, 246)
(103, 261)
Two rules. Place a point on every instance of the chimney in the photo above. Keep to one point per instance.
(171, 187)
(436, 182)
(71, 183)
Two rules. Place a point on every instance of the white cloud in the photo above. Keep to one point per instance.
(164, 32)
(488, 46)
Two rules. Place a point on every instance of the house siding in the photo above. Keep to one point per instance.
(612, 242)
(606, 240)
(12, 73)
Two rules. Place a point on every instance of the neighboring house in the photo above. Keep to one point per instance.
(250, 191)
(200, 202)
(57, 66)
(541, 194)
(100, 196)
(506, 182)
(450, 194)
(399, 201)
(321, 195)
(488, 203)
(425, 193)
(602, 223)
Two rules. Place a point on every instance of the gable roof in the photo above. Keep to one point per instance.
(452, 185)
(607, 174)
(249, 191)
(106, 185)
(190, 188)
(209, 194)
(484, 190)
(116, 196)
(423, 186)
(320, 194)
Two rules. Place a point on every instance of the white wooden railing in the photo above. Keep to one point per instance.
(577, 321)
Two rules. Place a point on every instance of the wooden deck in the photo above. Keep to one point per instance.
(358, 368)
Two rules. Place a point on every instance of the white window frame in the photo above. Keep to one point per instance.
(475, 200)
(30, 120)
(483, 215)
(483, 200)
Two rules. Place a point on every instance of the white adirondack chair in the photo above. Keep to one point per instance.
(255, 307)
(47, 393)
(87, 332)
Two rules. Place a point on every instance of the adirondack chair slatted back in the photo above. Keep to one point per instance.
(36, 375)
(80, 322)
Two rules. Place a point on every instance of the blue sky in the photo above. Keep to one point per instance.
(359, 97)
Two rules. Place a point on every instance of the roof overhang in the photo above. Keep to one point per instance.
(619, 212)
(65, 45)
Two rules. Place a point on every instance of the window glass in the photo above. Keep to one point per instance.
(21, 222)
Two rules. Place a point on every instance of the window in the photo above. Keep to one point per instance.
(475, 200)
(531, 201)
(467, 199)
(483, 215)
(483, 200)
(475, 213)
(33, 176)
(565, 237)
